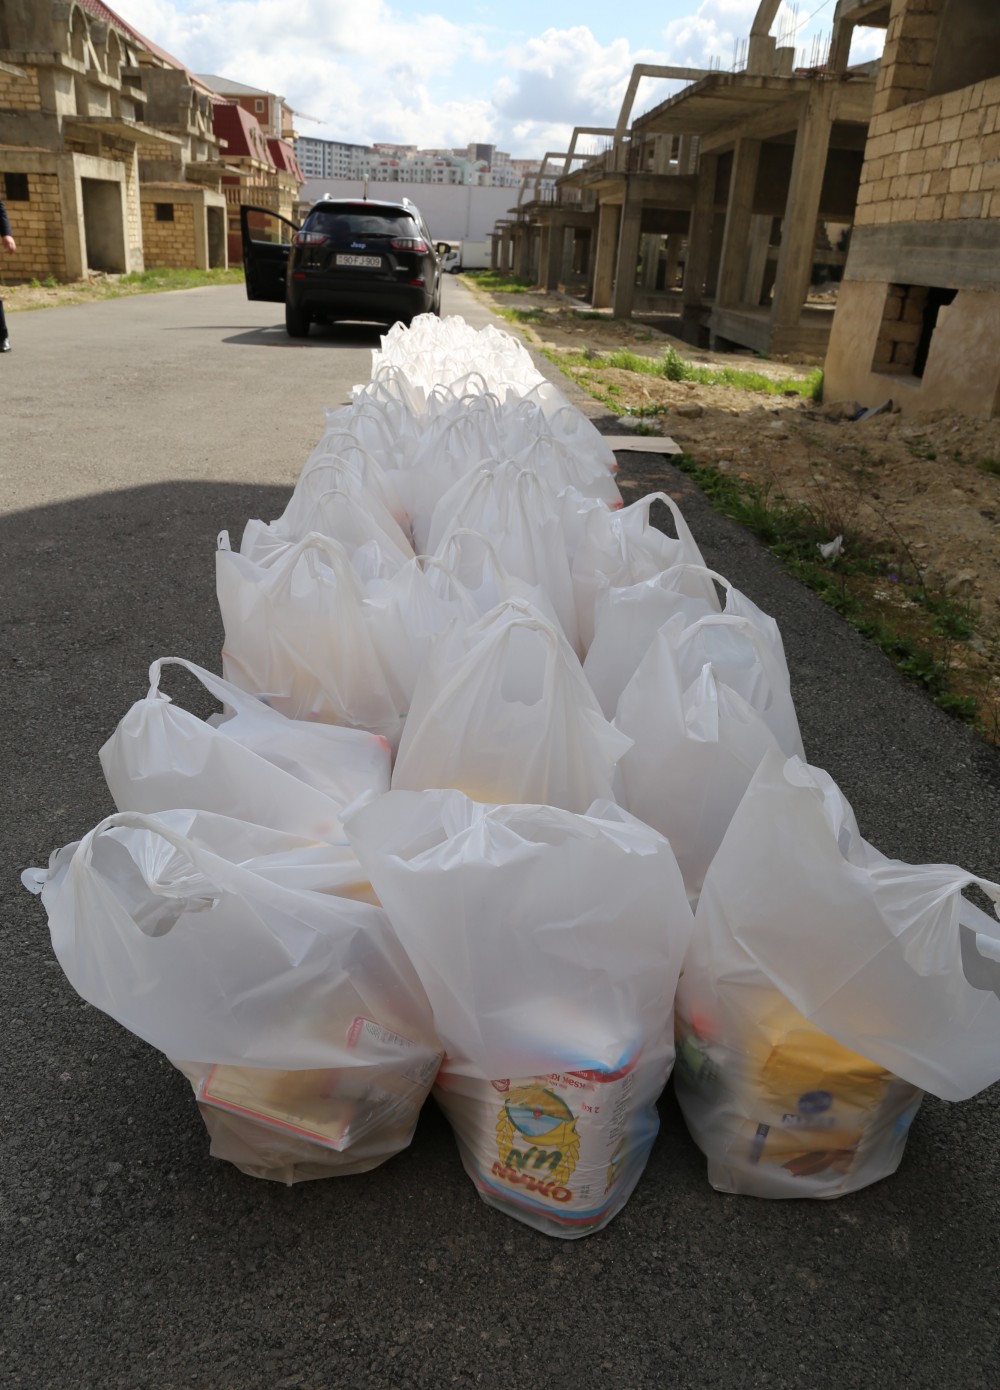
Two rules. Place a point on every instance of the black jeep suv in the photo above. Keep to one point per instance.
(352, 258)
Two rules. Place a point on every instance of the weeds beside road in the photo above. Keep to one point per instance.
(51, 293)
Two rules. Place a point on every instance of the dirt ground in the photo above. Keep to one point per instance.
(927, 489)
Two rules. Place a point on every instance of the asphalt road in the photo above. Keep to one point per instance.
(131, 432)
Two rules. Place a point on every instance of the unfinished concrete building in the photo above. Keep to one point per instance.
(918, 313)
(87, 109)
(719, 203)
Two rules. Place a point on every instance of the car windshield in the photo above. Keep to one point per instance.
(341, 224)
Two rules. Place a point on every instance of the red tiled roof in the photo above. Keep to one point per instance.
(242, 133)
(284, 157)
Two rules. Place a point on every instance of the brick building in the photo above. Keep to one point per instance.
(918, 313)
(255, 129)
(102, 137)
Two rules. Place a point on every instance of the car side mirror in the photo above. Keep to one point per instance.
(442, 248)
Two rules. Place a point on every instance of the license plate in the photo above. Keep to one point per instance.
(370, 262)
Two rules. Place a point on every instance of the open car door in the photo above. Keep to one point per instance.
(267, 243)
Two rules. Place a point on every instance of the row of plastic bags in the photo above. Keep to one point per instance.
(474, 819)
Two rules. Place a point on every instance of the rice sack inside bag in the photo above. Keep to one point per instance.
(549, 944)
(503, 712)
(253, 764)
(825, 989)
(261, 966)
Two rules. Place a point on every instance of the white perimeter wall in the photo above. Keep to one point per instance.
(452, 213)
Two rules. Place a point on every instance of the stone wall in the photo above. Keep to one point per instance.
(20, 93)
(38, 232)
(928, 159)
(168, 243)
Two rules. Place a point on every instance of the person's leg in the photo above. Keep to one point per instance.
(4, 340)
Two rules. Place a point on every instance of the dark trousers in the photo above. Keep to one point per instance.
(3, 323)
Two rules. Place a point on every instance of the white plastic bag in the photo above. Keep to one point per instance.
(621, 547)
(255, 765)
(346, 513)
(298, 634)
(694, 750)
(827, 986)
(744, 659)
(502, 711)
(251, 959)
(627, 618)
(549, 945)
(520, 517)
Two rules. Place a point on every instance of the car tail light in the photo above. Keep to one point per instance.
(309, 239)
(409, 243)
(418, 281)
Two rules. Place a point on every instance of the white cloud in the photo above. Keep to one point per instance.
(382, 72)
(561, 79)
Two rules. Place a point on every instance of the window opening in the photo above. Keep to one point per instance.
(16, 187)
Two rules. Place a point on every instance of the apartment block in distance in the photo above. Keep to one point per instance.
(918, 312)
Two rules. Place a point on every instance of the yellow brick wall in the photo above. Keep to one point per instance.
(932, 159)
(38, 232)
(20, 93)
(168, 243)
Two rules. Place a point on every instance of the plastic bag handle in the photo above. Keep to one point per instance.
(747, 626)
(689, 565)
(333, 460)
(937, 877)
(136, 820)
(684, 534)
(485, 541)
(366, 501)
(336, 556)
(225, 692)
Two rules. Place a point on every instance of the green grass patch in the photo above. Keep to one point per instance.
(675, 367)
(493, 282)
(159, 278)
(922, 633)
(522, 315)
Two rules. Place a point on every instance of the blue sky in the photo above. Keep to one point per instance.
(443, 73)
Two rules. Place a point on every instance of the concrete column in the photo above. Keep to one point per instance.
(649, 246)
(200, 215)
(739, 214)
(699, 240)
(628, 259)
(798, 228)
(760, 242)
(553, 255)
(495, 252)
(522, 251)
(544, 239)
(674, 244)
(685, 154)
(604, 259)
(568, 263)
(661, 153)
(506, 251)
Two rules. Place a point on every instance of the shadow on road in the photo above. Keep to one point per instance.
(363, 336)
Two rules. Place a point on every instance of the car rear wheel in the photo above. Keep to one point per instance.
(296, 321)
